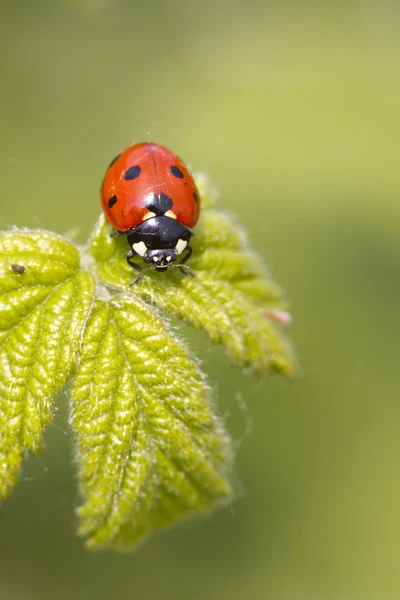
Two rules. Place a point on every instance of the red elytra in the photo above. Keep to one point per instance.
(141, 172)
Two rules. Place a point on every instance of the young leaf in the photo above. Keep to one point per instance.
(150, 448)
(44, 301)
(229, 297)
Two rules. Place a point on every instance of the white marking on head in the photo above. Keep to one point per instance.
(168, 258)
(140, 248)
(148, 215)
(180, 246)
(170, 214)
(156, 258)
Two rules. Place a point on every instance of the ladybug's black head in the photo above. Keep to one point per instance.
(160, 241)
(161, 259)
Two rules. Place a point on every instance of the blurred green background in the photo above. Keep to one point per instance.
(293, 110)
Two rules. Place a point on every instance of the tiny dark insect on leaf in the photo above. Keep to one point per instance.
(18, 268)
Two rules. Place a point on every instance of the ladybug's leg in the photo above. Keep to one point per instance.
(186, 270)
(130, 262)
(189, 251)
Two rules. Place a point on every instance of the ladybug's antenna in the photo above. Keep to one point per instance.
(139, 277)
(185, 269)
(181, 267)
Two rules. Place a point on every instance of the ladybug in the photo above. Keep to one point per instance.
(149, 194)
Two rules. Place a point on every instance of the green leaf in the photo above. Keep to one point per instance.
(230, 296)
(150, 448)
(44, 302)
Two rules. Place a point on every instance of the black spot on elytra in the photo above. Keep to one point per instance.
(160, 204)
(176, 172)
(112, 201)
(114, 160)
(195, 196)
(132, 172)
